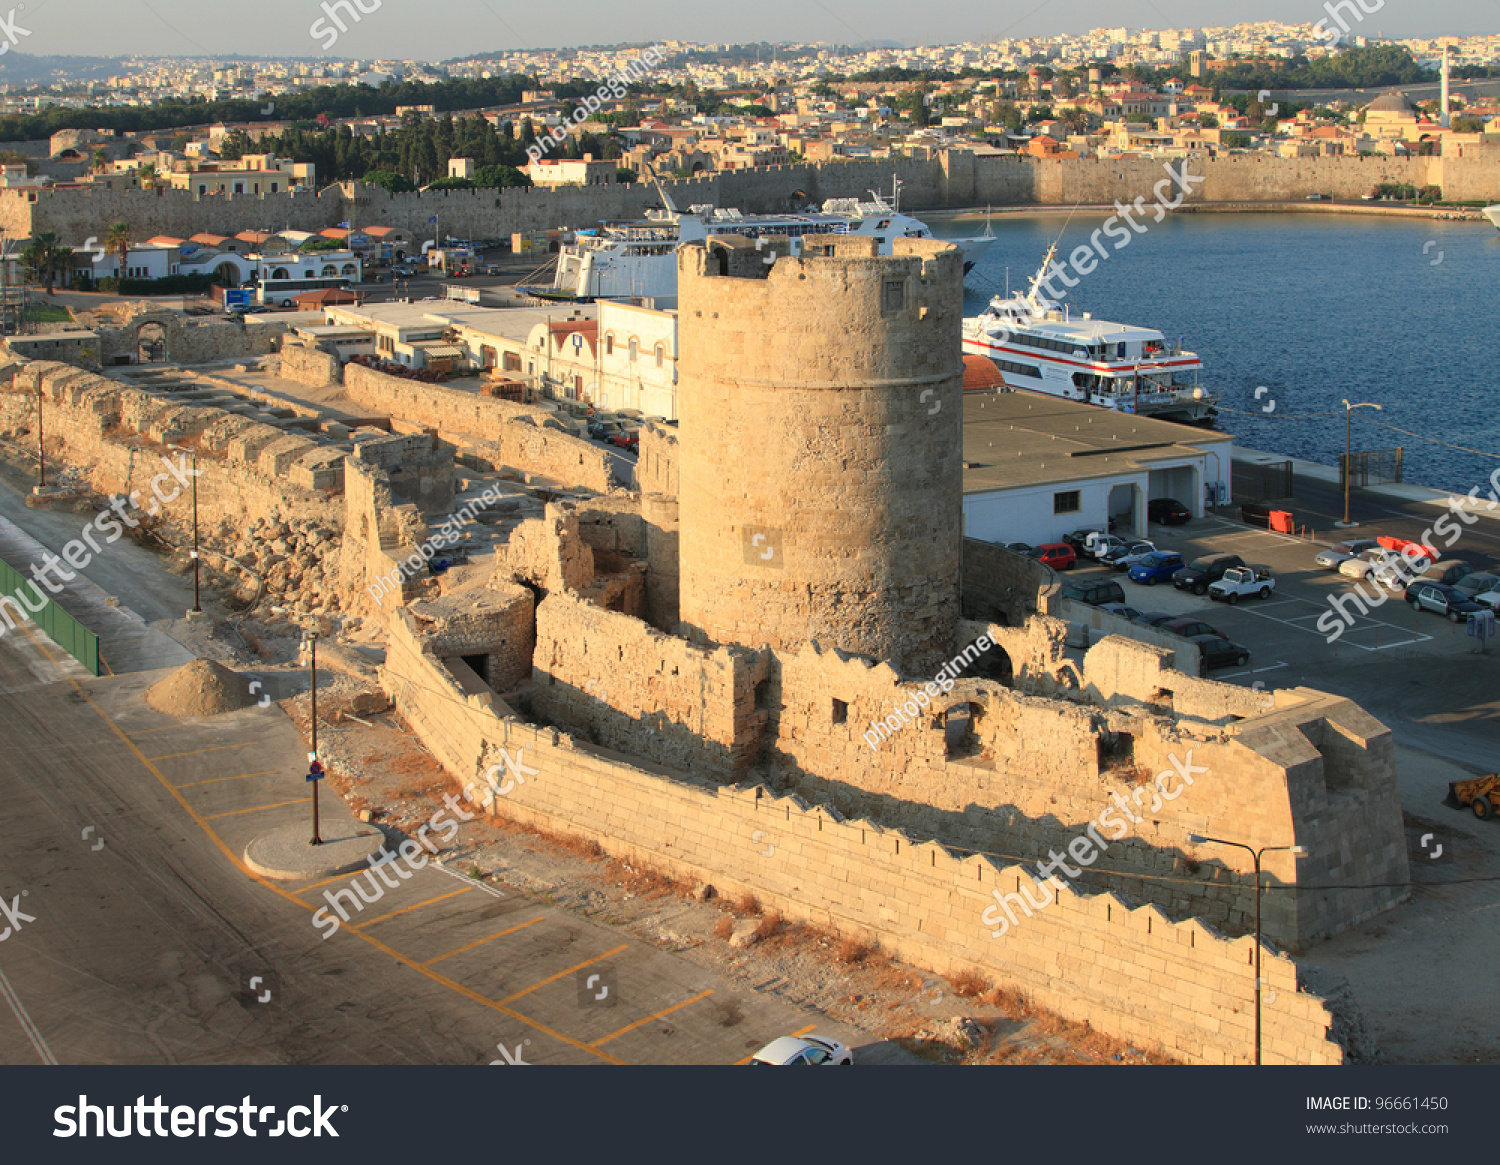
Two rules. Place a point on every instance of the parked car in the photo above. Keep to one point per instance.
(1020, 547)
(1242, 581)
(1199, 573)
(604, 430)
(1216, 651)
(1101, 544)
(1448, 571)
(1121, 610)
(1124, 557)
(1190, 628)
(1094, 591)
(1057, 555)
(1167, 511)
(1445, 600)
(1078, 538)
(1157, 567)
(1153, 618)
(1400, 569)
(811, 1049)
(1490, 600)
(1365, 561)
(1341, 551)
(1478, 583)
(629, 439)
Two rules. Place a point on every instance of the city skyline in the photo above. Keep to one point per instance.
(393, 30)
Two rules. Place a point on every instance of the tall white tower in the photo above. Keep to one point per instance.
(1443, 106)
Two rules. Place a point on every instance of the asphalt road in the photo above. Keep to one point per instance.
(139, 937)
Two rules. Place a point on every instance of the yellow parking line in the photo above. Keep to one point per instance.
(630, 1027)
(482, 941)
(559, 975)
(258, 808)
(329, 881)
(266, 883)
(419, 905)
(215, 780)
(196, 751)
(795, 1034)
(163, 728)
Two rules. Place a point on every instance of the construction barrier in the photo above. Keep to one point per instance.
(59, 626)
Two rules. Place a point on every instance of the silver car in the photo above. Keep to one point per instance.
(1128, 556)
(1366, 562)
(811, 1049)
(1342, 551)
(1400, 570)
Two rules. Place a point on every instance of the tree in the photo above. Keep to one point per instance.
(99, 162)
(624, 174)
(1467, 125)
(321, 243)
(451, 183)
(487, 177)
(390, 180)
(118, 241)
(147, 176)
(1207, 121)
(43, 257)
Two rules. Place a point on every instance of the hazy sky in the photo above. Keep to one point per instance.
(440, 29)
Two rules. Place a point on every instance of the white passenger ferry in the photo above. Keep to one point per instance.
(639, 258)
(1038, 346)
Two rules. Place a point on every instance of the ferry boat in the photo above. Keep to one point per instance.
(635, 259)
(1039, 346)
(1493, 214)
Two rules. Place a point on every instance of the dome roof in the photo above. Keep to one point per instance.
(1392, 102)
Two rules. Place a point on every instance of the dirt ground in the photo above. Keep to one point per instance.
(382, 771)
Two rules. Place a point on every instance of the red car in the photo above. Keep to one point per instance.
(1057, 555)
(627, 439)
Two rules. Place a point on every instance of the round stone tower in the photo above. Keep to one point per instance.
(821, 422)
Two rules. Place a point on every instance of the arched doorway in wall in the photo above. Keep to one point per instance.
(151, 344)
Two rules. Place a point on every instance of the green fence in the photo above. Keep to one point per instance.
(64, 630)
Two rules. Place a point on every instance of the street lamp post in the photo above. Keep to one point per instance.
(41, 448)
(1349, 454)
(193, 453)
(1296, 851)
(311, 639)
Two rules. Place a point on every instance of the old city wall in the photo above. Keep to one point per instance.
(1130, 973)
(953, 178)
(116, 436)
(628, 687)
(494, 433)
(309, 366)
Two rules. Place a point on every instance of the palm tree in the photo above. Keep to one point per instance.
(147, 175)
(42, 257)
(118, 241)
(100, 161)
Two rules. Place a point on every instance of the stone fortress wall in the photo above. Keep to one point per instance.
(949, 178)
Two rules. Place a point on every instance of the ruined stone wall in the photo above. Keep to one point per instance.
(628, 687)
(1003, 586)
(309, 366)
(822, 502)
(497, 624)
(1130, 973)
(489, 433)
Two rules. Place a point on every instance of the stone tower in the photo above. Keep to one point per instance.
(820, 465)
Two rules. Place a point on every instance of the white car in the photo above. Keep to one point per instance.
(1363, 564)
(803, 1050)
(1490, 599)
(1400, 570)
(1126, 558)
(1336, 556)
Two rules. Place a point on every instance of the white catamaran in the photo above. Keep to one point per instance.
(1039, 347)
(639, 258)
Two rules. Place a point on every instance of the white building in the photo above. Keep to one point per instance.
(1037, 467)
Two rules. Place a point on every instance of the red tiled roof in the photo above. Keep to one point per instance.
(980, 374)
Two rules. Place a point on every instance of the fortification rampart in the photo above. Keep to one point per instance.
(1131, 973)
(491, 433)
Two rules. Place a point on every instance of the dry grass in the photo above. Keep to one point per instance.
(724, 927)
(851, 951)
(769, 927)
(747, 903)
(968, 984)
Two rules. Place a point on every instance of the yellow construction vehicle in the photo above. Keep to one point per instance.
(1482, 794)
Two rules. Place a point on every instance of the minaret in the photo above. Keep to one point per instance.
(1443, 106)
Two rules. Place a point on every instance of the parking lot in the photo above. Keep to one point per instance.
(1283, 632)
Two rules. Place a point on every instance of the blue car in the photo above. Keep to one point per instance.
(1158, 567)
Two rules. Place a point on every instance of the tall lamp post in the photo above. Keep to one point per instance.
(310, 639)
(193, 453)
(1296, 851)
(1349, 454)
(41, 448)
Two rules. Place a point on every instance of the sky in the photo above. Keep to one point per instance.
(442, 29)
